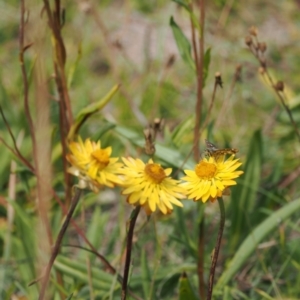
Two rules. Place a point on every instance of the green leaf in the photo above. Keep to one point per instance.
(206, 63)
(185, 289)
(85, 113)
(170, 156)
(253, 239)
(169, 286)
(192, 15)
(74, 66)
(183, 44)
(146, 275)
(75, 269)
(69, 297)
(183, 4)
(244, 195)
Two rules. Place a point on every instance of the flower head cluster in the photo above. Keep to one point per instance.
(93, 165)
(211, 178)
(150, 186)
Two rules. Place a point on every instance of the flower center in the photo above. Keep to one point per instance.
(101, 157)
(155, 172)
(205, 170)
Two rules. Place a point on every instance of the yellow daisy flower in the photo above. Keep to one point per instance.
(148, 185)
(93, 165)
(211, 177)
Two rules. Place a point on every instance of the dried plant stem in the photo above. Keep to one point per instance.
(199, 68)
(225, 105)
(57, 245)
(199, 82)
(210, 106)
(66, 116)
(132, 221)
(262, 61)
(16, 150)
(25, 79)
(283, 104)
(216, 249)
(108, 266)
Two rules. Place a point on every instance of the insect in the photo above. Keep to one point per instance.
(213, 151)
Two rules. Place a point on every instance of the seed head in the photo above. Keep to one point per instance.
(279, 86)
(248, 40)
(262, 47)
(253, 31)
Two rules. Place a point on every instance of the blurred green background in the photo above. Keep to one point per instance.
(131, 43)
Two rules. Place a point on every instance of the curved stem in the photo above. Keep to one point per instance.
(58, 243)
(216, 250)
(132, 220)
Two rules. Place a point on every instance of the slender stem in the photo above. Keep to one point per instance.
(216, 250)
(195, 50)
(210, 106)
(57, 245)
(200, 265)
(132, 220)
(16, 150)
(263, 64)
(199, 82)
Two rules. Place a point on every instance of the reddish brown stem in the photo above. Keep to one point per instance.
(199, 83)
(58, 242)
(216, 250)
(132, 221)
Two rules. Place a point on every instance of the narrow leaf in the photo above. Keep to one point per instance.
(254, 238)
(183, 4)
(185, 289)
(85, 113)
(183, 44)
(206, 64)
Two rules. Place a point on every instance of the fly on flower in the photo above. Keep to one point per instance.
(213, 151)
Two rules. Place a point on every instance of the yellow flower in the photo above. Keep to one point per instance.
(148, 185)
(211, 177)
(93, 165)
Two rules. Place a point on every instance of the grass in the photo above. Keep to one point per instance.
(132, 44)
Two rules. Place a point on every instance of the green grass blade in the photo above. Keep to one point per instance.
(170, 156)
(185, 289)
(85, 113)
(255, 237)
(244, 195)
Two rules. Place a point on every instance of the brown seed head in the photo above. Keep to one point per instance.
(253, 31)
(279, 86)
(218, 79)
(248, 40)
(262, 47)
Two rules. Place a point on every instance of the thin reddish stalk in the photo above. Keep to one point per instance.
(199, 83)
(196, 149)
(132, 221)
(16, 150)
(58, 242)
(216, 250)
(66, 116)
